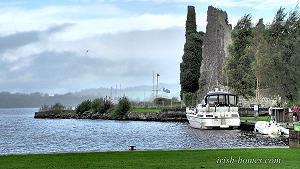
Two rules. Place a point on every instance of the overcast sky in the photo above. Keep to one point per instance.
(57, 46)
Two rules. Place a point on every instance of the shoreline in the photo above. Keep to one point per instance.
(162, 116)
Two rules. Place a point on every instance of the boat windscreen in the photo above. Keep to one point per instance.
(212, 100)
(221, 100)
(232, 100)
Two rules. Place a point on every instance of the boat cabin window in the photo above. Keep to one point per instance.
(212, 100)
(221, 100)
(232, 100)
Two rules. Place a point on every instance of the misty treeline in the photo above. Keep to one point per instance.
(266, 56)
(34, 100)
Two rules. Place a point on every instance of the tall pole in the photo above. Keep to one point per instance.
(120, 91)
(153, 83)
(116, 92)
(157, 75)
(111, 93)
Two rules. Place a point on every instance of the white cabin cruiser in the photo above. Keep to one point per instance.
(217, 110)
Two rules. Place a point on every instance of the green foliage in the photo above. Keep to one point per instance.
(283, 37)
(239, 66)
(101, 105)
(260, 50)
(191, 26)
(190, 99)
(96, 104)
(192, 57)
(84, 106)
(58, 106)
(269, 54)
(123, 107)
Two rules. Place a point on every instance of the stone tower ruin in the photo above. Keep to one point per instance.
(215, 44)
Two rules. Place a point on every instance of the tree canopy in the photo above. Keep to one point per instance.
(266, 56)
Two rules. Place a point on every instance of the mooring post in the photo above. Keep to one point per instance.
(132, 148)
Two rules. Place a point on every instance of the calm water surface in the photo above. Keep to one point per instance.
(21, 133)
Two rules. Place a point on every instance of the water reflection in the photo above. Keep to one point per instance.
(20, 133)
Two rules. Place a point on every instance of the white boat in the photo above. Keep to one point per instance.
(218, 109)
(270, 128)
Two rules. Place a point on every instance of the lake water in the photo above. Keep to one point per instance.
(21, 133)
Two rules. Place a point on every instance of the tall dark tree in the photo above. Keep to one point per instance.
(239, 66)
(283, 37)
(192, 57)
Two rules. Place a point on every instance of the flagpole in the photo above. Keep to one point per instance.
(153, 84)
(157, 75)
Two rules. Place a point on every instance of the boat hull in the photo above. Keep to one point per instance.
(209, 123)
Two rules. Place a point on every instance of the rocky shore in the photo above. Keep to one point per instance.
(176, 115)
(164, 115)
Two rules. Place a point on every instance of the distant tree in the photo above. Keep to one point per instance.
(44, 107)
(239, 66)
(123, 107)
(101, 105)
(84, 106)
(192, 57)
(96, 104)
(58, 106)
(161, 101)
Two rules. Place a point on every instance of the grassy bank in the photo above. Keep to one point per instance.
(260, 118)
(187, 159)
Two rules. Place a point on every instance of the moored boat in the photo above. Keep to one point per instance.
(270, 128)
(218, 109)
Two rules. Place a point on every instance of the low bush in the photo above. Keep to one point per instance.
(101, 105)
(123, 107)
(84, 106)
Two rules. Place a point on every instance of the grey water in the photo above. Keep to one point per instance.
(21, 133)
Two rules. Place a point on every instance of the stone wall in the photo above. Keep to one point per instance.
(215, 44)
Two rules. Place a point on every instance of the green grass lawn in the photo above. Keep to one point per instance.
(260, 118)
(145, 110)
(183, 159)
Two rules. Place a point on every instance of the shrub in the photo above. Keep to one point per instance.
(84, 106)
(58, 106)
(101, 105)
(96, 104)
(123, 107)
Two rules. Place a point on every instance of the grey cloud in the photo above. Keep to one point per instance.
(20, 39)
(125, 58)
(58, 28)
